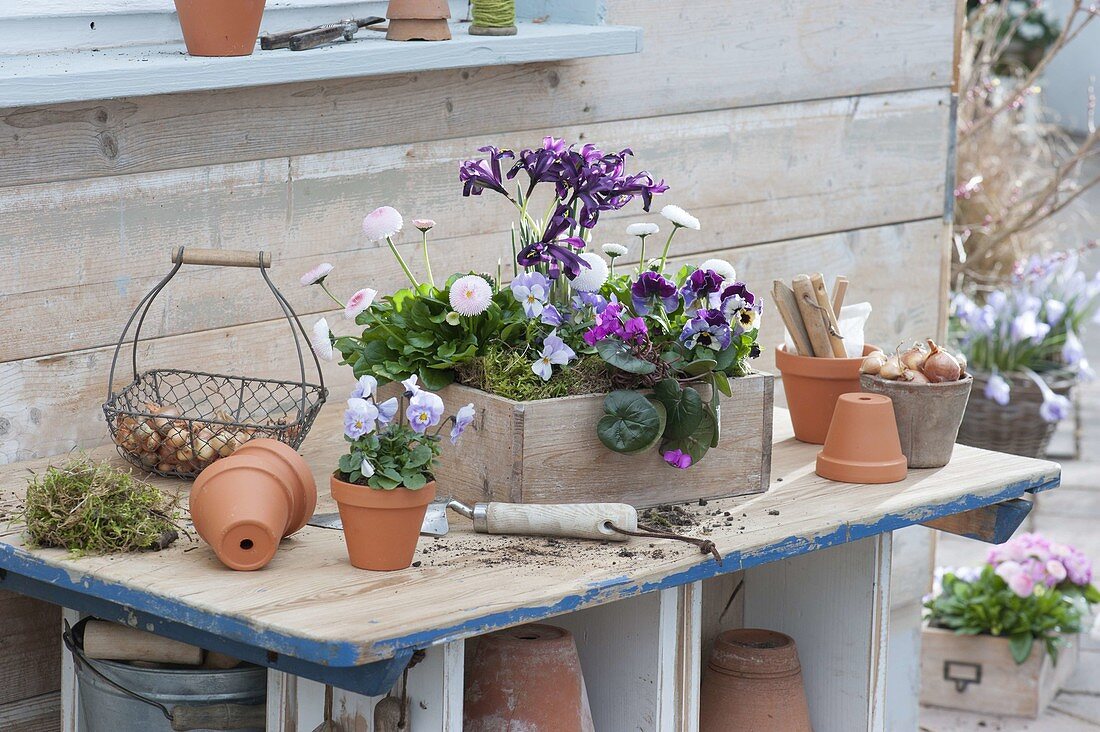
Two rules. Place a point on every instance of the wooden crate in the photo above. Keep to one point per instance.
(546, 451)
(977, 673)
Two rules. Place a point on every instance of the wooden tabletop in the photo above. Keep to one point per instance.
(311, 604)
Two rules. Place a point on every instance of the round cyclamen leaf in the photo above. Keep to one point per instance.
(700, 366)
(684, 407)
(698, 442)
(618, 354)
(632, 423)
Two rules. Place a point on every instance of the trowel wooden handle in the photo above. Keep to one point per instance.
(576, 520)
(114, 642)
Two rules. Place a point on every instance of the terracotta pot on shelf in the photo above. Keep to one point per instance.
(381, 528)
(928, 416)
(753, 682)
(418, 20)
(863, 444)
(244, 504)
(812, 386)
(220, 27)
(525, 678)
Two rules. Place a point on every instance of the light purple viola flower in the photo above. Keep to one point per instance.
(531, 289)
(359, 418)
(411, 387)
(387, 410)
(463, 419)
(554, 351)
(651, 288)
(677, 459)
(707, 329)
(425, 410)
(550, 316)
(365, 388)
(1072, 350)
(1054, 311)
(997, 389)
(592, 300)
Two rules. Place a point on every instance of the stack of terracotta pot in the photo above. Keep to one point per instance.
(244, 504)
(418, 20)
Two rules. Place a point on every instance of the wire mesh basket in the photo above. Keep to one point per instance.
(174, 423)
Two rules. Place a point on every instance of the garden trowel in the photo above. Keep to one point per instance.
(572, 520)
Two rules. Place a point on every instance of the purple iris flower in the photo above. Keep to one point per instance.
(651, 287)
(560, 253)
(1054, 408)
(997, 389)
(477, 175)
(708, 329)
(677, 459)
(425, 410)
(701, 284)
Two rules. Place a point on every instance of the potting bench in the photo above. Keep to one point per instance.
(810, 558)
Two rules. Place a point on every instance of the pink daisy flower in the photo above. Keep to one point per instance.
(423, 224)
(316, 275)
(359, 302)
(382, 223)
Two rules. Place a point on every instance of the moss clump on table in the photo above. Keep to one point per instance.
(95, 508)
(507, 373)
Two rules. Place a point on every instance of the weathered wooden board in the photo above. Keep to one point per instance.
(991, 524)
(891, 266)
(990, 680)
(30, 644)
(34, 714)
(310, 603)
(711, 54)
(546, 451)
(884, 158)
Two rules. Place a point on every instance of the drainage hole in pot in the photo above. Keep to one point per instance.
(527, 637)
(246, 544)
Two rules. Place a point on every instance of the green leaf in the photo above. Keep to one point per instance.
(699, 366)
(725, 358)
(618, 354)
(1020, 646)
(436, 379)
(632, 423)
(420, 456)
(697, 443)
(722, 383)
(1092, 595)
(684, 407)
(414, 481)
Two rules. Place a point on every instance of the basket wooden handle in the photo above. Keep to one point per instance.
(222, 257)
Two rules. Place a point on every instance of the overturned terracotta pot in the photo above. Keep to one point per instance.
(244, 504)
(753, 682)
(863, 444)
(928, 416)
(812, 386)
(381, 528)
(525, 678)
(418, 20)
(220, 27)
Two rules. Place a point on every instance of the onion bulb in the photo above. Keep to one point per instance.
(892, 368)
(914, 377)
(204, 448)
(151, 443)
(166, 452)
(940, 365)
(872, 363)
(177, 437)
(166, 467)
(149, 459)
(165, 415)
(913, 359)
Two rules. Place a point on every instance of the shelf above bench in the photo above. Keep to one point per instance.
(51, 78)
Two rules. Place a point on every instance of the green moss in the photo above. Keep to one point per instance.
(507, 373)
(95, 508)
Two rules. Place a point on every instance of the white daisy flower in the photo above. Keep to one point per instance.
(680, 218)
(319, 340)
(382, 223)
(614, 250)
(642, 228)
(316, 275)
(471, 295)
(591, 279)
(359, 302)
(724, 269)
(423, 224)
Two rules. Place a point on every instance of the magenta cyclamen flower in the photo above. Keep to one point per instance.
(677, 459)
(608, 323)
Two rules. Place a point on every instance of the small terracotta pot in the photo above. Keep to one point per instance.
(863, 444)
(753, 682)
(220, 27)
(381, 527)
(418, 20)
(242, 507)
(812, 386)
(293, 470)
(928, 416)
(525, 678)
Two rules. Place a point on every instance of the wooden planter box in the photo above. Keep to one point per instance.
(976, 673)
(546, 451)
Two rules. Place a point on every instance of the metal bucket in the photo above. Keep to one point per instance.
(118, 697)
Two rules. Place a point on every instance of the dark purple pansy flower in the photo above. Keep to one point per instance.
(677, 459)
(707, 329)
(701, 284)
(741, 290)
(652, 287)
(477, 175)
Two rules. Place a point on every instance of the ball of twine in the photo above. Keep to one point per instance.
(494, 13)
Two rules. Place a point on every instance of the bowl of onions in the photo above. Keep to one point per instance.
(930, 388)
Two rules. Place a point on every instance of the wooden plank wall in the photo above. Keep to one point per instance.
(803, 135)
